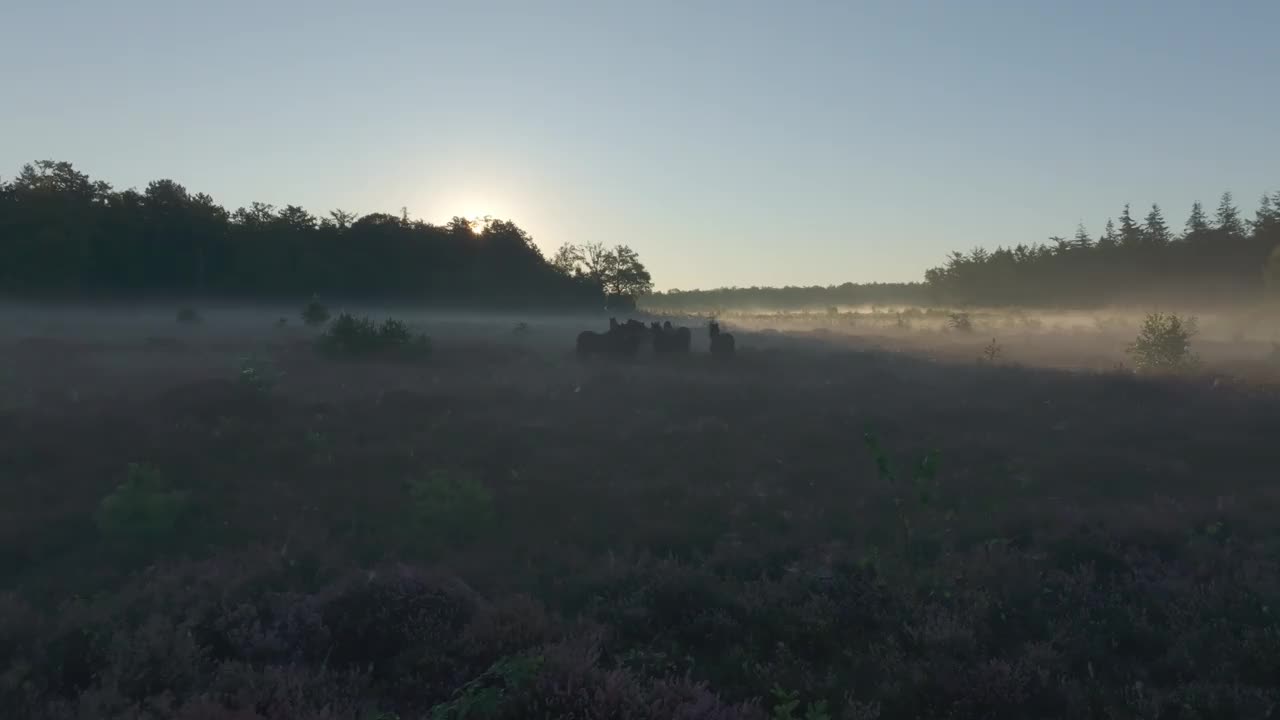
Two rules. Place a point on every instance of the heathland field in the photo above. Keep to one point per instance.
(879, 516)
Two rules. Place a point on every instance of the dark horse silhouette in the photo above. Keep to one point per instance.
(721, 342)
(667, 339)
(621, 339)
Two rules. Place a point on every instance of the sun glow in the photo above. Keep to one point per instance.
(480, 223)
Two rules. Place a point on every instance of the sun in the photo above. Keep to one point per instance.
(479, 223)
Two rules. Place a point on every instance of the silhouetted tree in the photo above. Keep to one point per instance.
(1225, 261)
(1081, 241)
(61, 232)
(1109, 238)
(617, 271)
(1197, 227)
(1155, 231)
(1266, 222)
(1227, 220)
(1130, 233)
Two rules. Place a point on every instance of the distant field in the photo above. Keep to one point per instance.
(1242, 342)
(818, 528)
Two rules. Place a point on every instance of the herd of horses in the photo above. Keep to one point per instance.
(627, 338)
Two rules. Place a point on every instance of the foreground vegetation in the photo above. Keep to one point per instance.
(504, 532)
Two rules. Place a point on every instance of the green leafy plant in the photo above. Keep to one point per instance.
(142, 508)
(786, 703)
(189, 316)
(1164, 343)
(485, 696)
(923, 490)
(315, 312)
(449, 506)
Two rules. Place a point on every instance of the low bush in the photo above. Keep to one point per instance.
(142, 508)
(315, 312)
(352, 336)
(448, 507)
(189, 316)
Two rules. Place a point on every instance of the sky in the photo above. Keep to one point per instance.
(729, 143)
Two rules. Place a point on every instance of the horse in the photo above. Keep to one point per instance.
(668, 339)
(722, 343)
(621, 339)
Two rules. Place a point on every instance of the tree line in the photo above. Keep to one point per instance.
(64, 234)
(1214, 258)
(789, 298)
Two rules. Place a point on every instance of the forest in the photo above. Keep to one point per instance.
(1215, 259)
(1218, 259)
(64, 235)
(791, 297)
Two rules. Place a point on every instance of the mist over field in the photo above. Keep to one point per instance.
(533, 486)
(639, 361)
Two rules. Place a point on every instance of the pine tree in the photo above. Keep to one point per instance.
(1267, 221)
(1156, 231)
(1228, 218)
(1130, 233)
(1197, 223)
(1108, 239)
(1081, 241)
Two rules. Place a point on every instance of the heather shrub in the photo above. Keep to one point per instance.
(142, 508)
(405, 628)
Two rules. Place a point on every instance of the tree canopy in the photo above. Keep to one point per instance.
(63, 233)
(1213, 260)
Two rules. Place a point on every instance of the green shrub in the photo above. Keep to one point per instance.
(1164, 343)
(923, 492)
(489, 694)
(315, 313)
(189, 316)
(448, 506)
(143, 507)
(352, 336)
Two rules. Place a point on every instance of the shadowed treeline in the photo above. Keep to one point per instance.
(1218, 259)
(63, 234)
(790, 297)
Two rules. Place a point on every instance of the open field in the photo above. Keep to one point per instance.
(817, 528)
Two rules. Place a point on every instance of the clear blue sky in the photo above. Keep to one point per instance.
(729, 143)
